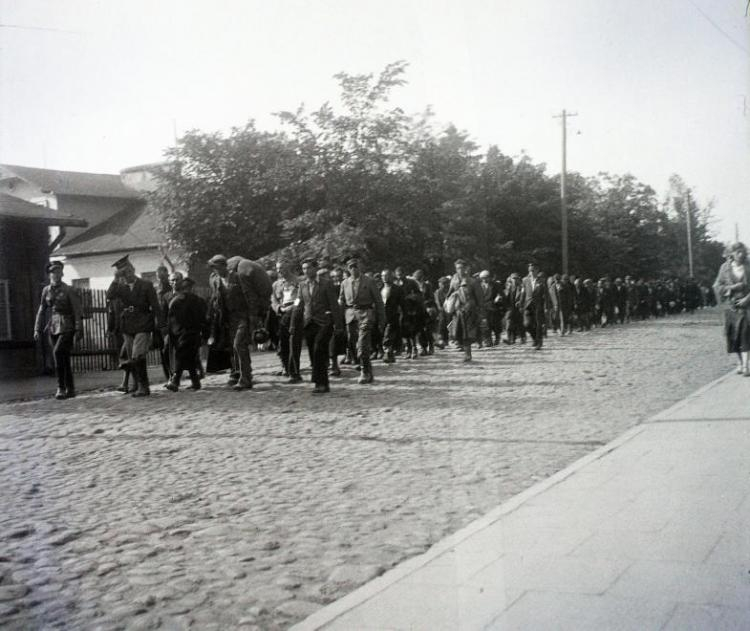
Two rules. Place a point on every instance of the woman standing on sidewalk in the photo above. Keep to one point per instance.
(60, 315)
(732, 288)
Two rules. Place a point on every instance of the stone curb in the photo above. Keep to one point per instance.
(367, 591)
(665, 414)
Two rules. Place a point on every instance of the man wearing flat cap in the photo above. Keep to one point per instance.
(364, 311)
(140, 316)
(60, 316)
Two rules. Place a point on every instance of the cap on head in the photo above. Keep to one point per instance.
(123, 263)
(352, 262)
(55, 266)
(484, 274)
(217, 259)
(737, 246)
(310, 262)
(187, 282)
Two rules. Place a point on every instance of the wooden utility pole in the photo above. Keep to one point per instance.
(688, 221)
(563, 201)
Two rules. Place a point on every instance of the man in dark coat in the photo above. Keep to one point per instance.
(141, 315)
(220, 355)
(393, 304)
(564, 293)
(319, 307)
(187, 325)
(468, 306)
(164, 292)
(535, 304)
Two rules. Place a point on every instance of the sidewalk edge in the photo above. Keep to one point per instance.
(330, 612)
(665, 414)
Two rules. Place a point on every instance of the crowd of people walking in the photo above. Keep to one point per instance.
(346, 315)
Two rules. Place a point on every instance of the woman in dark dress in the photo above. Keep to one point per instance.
(732, 288)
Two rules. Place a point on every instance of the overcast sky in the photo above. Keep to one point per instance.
(660, 86)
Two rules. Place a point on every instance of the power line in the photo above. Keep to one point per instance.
(721, 30)
(37, 28)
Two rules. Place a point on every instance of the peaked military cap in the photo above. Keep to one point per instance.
(122, 263)
(54, 265)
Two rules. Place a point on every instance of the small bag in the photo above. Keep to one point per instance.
(449, 306)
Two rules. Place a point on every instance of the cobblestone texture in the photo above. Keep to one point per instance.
(217, 510)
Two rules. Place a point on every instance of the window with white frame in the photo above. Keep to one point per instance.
(5, 330)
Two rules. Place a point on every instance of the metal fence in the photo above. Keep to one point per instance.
(96, 349)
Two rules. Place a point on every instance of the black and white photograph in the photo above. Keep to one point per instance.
(345, 315)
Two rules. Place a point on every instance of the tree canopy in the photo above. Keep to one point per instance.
(367, 178)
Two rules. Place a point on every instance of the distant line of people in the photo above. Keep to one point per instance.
(339, 312)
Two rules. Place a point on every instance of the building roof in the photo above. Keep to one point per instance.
(73, 182)
(133, 228)
(16, 208)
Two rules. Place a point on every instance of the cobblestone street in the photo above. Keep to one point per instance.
(218, 509)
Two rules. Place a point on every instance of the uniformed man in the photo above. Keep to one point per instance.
(318, 308)
(61, 317)
(364, 310)
(141, 315)
(187, 326)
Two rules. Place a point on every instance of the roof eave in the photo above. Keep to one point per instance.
(73, 255)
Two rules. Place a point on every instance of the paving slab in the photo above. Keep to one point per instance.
(648, 532)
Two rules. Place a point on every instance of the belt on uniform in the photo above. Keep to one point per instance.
(362, 307)
(132, 309)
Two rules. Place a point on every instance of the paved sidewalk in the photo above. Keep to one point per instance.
(649, 532)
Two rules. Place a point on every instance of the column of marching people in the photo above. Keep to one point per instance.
(344, 311)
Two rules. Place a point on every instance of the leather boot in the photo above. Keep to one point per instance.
(467, 352)
(141, 370)
(366, 374)
(123, 387)
(174, 383)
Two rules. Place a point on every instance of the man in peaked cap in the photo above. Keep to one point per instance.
(140, 316)
(60, 309)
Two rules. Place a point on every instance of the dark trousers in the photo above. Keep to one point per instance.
(62, 345)
(290, 344)
(241, 327)
(317, 338)
(186, 348)
(534, 321)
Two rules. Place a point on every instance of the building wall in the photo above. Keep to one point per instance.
(23, 257)
(98, 267)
